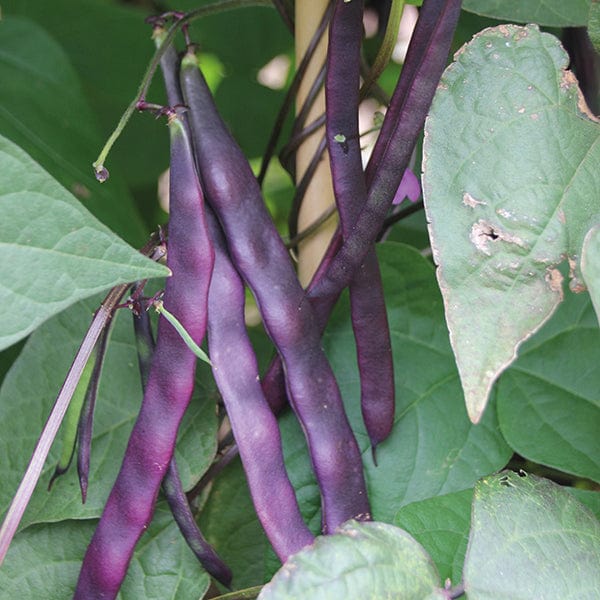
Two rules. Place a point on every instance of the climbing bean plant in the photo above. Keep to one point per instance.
(420, 420)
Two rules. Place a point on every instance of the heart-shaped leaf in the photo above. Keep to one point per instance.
(510, 189)
(54, 252)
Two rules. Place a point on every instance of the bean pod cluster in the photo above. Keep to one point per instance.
(221, 239)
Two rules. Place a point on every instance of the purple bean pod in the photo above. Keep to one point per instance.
(236, 372)
(254, 425)
(367, 302)
(184, 518)
(259, 255)
(171, 485)
(404, 119)
(130, 505)
(423, 67)
(85, 426)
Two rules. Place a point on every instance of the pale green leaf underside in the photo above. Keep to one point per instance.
(557, 13)
(510, 188)
(363, 560)
(54, 252)
(530, 539)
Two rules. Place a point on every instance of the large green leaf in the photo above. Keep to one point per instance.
(530, 539)
(54, 252)
(548, 404)
(44, 561)
(554, 13)
(28, 393)
(362, 560)
(44, 111)
(441, 525)
(510, 189)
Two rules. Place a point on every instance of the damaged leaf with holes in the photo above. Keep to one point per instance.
(510, 190)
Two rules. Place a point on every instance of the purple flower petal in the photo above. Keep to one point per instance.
(409, 188)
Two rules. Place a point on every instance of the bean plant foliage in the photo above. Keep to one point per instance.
(420, 420)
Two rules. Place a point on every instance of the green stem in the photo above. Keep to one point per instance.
(386, 48)
(204, 11)
(182, 331)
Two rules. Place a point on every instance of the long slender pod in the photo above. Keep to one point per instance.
(72, 418)
(254, 425)
(171, 485)
(130, 505)
(368, 312)
(425, 62)
(86, 417)
(261, 258)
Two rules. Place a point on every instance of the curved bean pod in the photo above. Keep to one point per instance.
(254, 425)
(367, 303)
(261, 258)
(130, 506)
(171, 485)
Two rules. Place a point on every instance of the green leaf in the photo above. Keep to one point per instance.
(230, 525)
(593, 24)
(530, 539)
(362, 560)
(510, 190)
(590, 265)
(54, 251)
(45, 559)
(589, 498)
(548, 405)
(43, 110)
(553, 13)
(441, 525)
(28, 393)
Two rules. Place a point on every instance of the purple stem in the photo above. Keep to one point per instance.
(367, 302)
(260, 256)
(130, 505)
